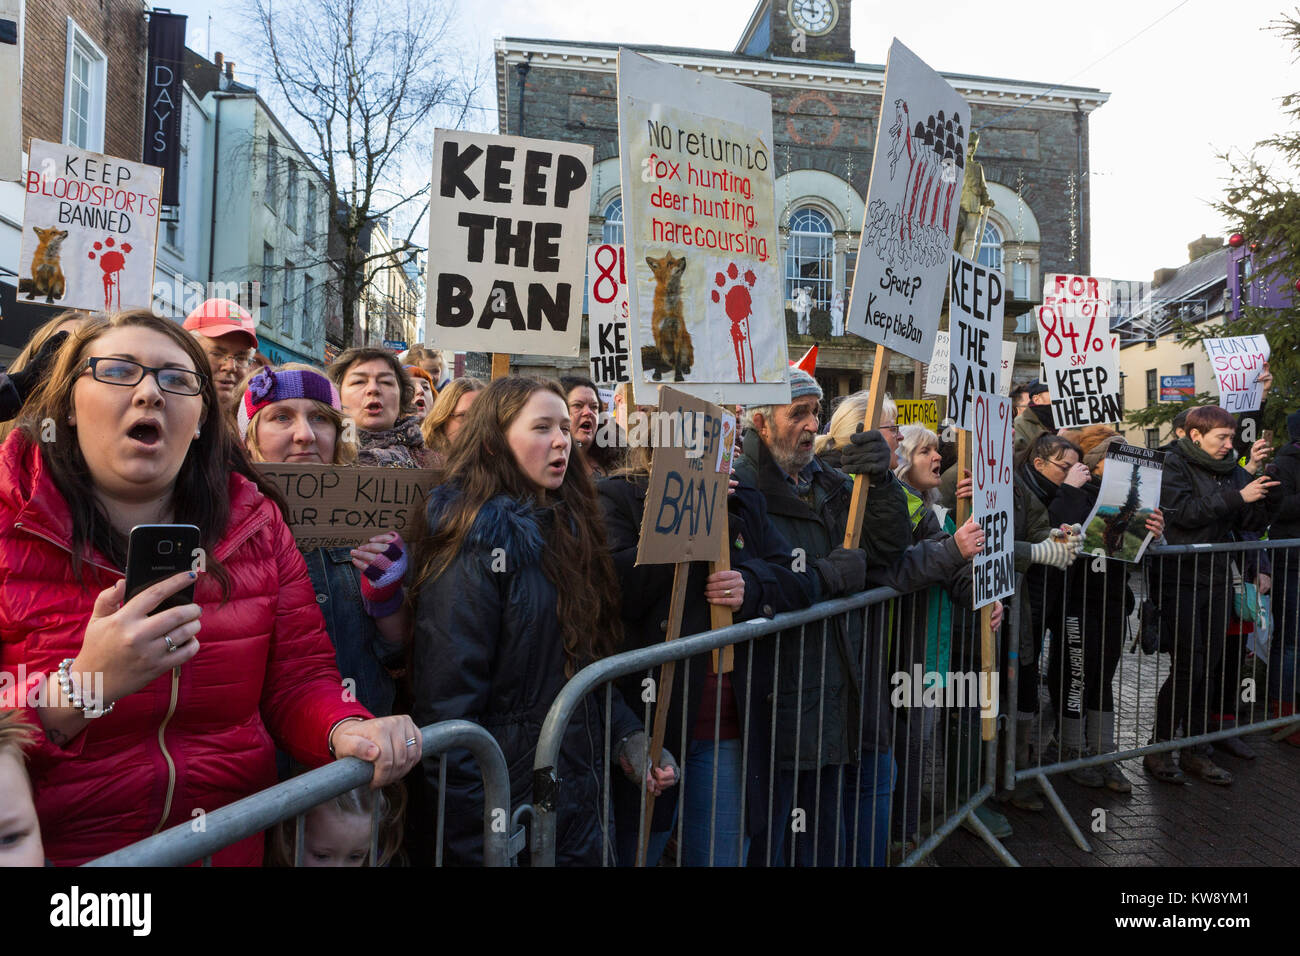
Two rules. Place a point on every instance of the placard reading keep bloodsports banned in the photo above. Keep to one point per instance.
(994, 568)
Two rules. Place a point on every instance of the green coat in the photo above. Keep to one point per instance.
(816, 525)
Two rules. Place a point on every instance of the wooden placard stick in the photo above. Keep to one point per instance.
(724, 661)
(500, 365)
(861, 484)
(664, 693)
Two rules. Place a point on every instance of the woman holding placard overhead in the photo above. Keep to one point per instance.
(1206, 498)
(292, 414)
(516, 594)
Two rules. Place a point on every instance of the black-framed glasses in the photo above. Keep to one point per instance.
(116, 371)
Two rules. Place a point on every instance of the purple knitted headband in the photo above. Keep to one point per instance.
(269, 386)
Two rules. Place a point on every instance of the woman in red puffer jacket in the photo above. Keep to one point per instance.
(187, 704)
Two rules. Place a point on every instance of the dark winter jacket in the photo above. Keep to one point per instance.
(815, 524)
(1286, 496)
(1201, 506)
(931, 558)
(1101, 598)
(764, 559)
(488, 648)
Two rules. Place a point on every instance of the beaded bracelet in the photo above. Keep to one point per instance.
(73, 697)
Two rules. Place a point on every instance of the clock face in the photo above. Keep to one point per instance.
(814, 17)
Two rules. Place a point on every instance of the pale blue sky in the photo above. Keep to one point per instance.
(1205, 78)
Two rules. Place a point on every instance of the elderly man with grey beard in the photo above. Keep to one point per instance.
(831, 732)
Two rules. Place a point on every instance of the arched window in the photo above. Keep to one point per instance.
(810, 258)
(612, 232)
(991, 247)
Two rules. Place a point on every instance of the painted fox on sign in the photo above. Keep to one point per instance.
(47, 270)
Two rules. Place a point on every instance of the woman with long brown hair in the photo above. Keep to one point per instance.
(516, 594)
(126, 431)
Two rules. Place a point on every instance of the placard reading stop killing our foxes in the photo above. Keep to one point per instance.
(334, 506)
(507, 243)
(699, 211)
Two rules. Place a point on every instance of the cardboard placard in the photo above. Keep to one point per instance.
(685, 515)
(976, 303)
(936, 373)
(607, 312)
(1130, 491)
(918, 410)
(1080, 357)
(1008, 366)
(707, 306)
(90, 230)
(993, 499)
(332, 506)
(1237, 362)
(912, 208)
(507, 243)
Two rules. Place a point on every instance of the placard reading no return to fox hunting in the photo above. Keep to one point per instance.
(699, 212)
(90, 230)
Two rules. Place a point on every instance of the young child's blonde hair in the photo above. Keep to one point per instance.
(15, 734)
(358, 802)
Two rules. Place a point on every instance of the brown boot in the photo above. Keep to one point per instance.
(1205, 768)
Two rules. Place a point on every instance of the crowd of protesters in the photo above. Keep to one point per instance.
(524, 573)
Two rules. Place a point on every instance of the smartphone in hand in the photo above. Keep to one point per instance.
(158, 551)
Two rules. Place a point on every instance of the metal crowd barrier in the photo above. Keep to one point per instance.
(907, 778)
(1177, 672)
(183, 844)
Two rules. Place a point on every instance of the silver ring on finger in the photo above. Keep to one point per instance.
(171, 646)
(728, 592)
(411, 742)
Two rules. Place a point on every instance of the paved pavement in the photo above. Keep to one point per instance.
(1253, 822)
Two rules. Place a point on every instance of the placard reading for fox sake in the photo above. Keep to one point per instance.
(699, 221)
(507, 243)
(335, 506)
(90, 230)
(685, 516)
(912, 208)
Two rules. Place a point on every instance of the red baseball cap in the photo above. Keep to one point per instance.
(217, 317)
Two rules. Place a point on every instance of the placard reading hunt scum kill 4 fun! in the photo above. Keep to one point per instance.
(507, 243)
(1080, 357)
(607, 312)
(90, 230)
(700, 228)
(976, 303)
(912, 208)
(1130, 491)
(685, 516)
(993, 502)
(1237, 363)
(333, 506)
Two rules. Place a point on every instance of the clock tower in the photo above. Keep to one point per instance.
(799, 29)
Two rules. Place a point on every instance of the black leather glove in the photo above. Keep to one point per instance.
(867, 454)
(27, 379)
(844, 571)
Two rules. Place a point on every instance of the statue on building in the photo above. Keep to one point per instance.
(837, 315)
(802, 309)
(975, 199)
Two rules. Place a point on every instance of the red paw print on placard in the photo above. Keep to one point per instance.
(112, 263)
(739, 306)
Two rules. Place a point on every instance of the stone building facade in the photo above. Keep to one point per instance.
(1034, 144)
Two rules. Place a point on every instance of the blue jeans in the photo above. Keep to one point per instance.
(702, 816)
(870, 790)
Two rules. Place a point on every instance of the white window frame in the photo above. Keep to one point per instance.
(79, 40)
(991, 255)
(826, 253)
(608, 225)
